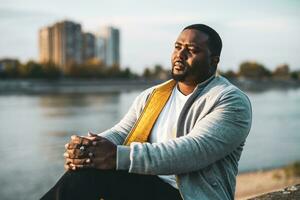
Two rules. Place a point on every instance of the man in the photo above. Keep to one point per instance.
(179, 140)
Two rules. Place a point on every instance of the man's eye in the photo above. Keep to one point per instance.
(193, 50)
(177, 46)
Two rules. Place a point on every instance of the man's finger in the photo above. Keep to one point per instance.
(67, 167)
(72, 146)
(92, 134)
(91, 138)
(75, 153)
(84, 161)
(74, 167)
(80, 140)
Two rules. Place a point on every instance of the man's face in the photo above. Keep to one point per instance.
(191, 58)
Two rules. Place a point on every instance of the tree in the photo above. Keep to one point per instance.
(10, 68)
(282, 72)
(229, 74)
(51, 71)
(31, 70)
(147, 73)
(295, 75)
(158, 72)
(253, 70)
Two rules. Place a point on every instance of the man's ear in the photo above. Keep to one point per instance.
(215, 60)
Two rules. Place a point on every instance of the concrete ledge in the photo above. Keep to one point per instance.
(289, 193)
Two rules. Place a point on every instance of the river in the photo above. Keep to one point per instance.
(34, 129)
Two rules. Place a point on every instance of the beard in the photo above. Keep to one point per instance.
(185, 74)
(179, 77)
(197, 72)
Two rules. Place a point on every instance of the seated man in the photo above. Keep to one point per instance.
(179, 140)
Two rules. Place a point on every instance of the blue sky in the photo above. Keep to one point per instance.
(266, 31)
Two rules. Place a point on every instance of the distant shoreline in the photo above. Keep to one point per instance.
(72, 86)
(82, 86)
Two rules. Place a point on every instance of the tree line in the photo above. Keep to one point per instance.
(255, 70)
(34, 70)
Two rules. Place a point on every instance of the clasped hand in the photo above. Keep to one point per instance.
(90, 151)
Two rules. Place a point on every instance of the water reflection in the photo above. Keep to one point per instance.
(58, 134)
(35, 128)
(75, 104)
(274, 139)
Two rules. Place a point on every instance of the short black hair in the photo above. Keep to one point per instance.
(214, 39)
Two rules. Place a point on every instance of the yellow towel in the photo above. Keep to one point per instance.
(156, 102)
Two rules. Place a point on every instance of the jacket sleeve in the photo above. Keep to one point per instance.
(118, 133)
(212, 138)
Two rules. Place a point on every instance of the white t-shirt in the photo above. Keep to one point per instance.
(165, 127)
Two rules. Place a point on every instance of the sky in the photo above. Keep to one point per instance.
(266, 31)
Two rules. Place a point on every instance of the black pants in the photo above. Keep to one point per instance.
(92, 184)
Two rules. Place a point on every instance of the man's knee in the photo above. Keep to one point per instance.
(79, 178)
(81, 184)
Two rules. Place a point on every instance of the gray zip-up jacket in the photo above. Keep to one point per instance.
(211, 132)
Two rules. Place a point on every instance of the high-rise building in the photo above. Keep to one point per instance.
(61, 44)
(65, 45)
(111, 37)
(46, 45)
(100, 53)
(88, 46)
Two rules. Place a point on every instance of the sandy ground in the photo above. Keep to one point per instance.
(256, 183)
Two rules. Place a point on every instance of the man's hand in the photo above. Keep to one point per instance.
(92, 151)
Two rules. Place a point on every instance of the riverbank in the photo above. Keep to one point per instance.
(254, 184)
(72, 86)
(84, 86)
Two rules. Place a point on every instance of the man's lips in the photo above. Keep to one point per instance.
(178, 65)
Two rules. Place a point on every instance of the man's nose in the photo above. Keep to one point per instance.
(182, 54)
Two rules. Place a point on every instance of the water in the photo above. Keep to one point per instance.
(34, 129)
(274, 138)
